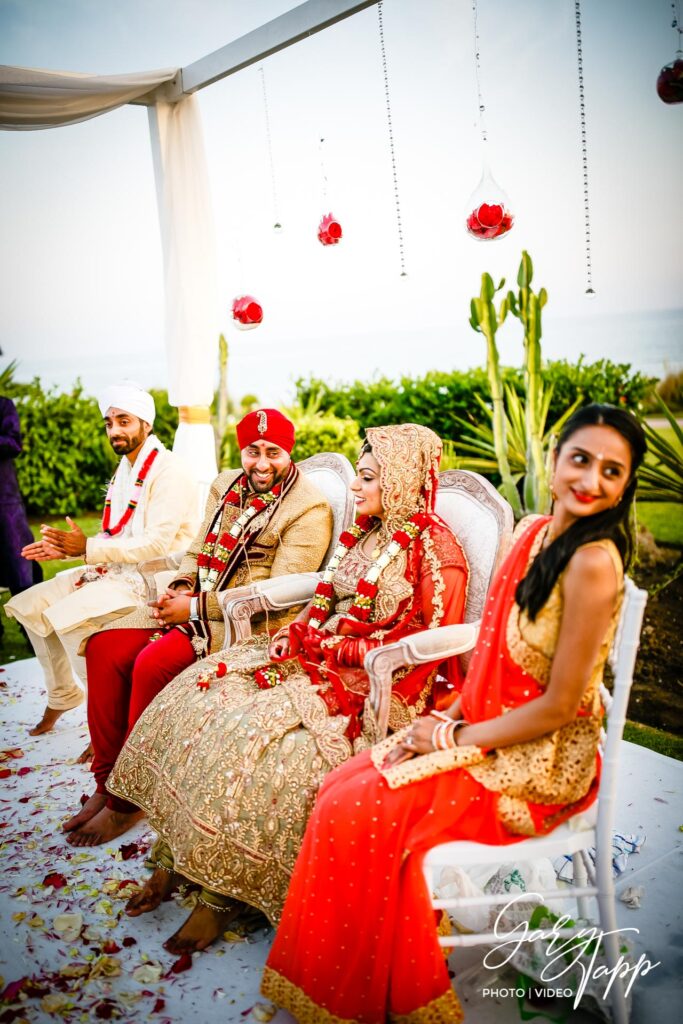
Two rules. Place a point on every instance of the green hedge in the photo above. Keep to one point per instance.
(439, 398)
(67, 461)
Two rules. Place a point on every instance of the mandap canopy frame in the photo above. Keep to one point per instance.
(34, 100)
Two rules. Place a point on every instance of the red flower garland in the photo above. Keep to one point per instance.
(111, 531)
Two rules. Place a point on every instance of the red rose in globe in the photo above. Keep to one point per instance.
(246, 312)
(329, 230)
(488, 221)
(670, 82)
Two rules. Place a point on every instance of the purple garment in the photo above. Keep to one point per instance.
(15, 572)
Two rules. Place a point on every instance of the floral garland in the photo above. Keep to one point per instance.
(111, 531)
(364, 600)
(213, 558)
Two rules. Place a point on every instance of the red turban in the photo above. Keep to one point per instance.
(266, 425)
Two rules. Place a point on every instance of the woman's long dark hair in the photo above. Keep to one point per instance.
(613, 523)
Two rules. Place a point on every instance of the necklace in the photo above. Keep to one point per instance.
(364, 599)
(379, 540)
(133, 501)
(213, 558)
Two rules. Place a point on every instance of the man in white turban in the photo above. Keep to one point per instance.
(151, 509)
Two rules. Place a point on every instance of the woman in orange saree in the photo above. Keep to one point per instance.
(515, 756)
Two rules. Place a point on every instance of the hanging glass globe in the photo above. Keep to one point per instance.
(488, 213)
(246, 312)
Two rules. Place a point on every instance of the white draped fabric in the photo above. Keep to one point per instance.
(189, 271)
(34, 99)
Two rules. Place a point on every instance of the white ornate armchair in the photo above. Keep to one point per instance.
(331, 473)
(483, 522)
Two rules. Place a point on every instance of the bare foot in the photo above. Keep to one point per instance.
(47, 722)
(86, 756)
(90, 808)
(103, 827)
(201, 928)
(157, 887)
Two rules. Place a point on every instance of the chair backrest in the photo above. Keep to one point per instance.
(483, 522)
(622, 660)
(332, 474)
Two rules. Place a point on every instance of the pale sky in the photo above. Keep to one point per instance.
(80, 258)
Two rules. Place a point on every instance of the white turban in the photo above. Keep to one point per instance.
(129, 397)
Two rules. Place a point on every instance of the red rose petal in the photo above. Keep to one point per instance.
(129, 941)
(129, 850)
(56, 880)
(159, 1005)
(10, 993)
(183, 963)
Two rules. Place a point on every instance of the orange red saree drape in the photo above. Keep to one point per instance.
(357, 943)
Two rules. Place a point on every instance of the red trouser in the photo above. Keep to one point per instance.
(125, 673)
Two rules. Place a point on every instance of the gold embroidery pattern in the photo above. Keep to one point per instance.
(445, 1009)
(290, 997)
(560, 767)
(515, 815)
(437, 577)
(422, 766)
(406, 455)
(402, 714)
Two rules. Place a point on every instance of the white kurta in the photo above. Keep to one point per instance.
(58, 615)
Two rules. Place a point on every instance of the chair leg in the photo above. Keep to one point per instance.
(608, 924)
(580, 880)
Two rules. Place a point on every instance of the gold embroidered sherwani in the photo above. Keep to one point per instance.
(295, 539)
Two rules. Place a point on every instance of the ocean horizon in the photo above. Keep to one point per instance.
(261, 364)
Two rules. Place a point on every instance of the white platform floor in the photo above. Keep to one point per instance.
(42, 788)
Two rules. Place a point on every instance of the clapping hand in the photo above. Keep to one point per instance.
(68, 543)
(40, 551)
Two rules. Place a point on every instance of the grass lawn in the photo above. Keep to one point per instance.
(13, 646)
(664, 520)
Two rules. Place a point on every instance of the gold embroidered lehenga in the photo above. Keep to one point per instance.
(228, 775)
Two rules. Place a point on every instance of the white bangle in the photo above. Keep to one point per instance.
(194, 607)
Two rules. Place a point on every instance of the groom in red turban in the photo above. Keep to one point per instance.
(264, 520)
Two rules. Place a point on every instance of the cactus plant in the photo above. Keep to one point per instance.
(516, 443)
(485, 320)
(527, 306)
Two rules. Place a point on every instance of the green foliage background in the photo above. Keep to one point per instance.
(67, 461)
(438, 398)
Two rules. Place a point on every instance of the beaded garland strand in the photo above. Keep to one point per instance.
(112, 531)
(367, 589)
(366, 592)
(215, 552)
